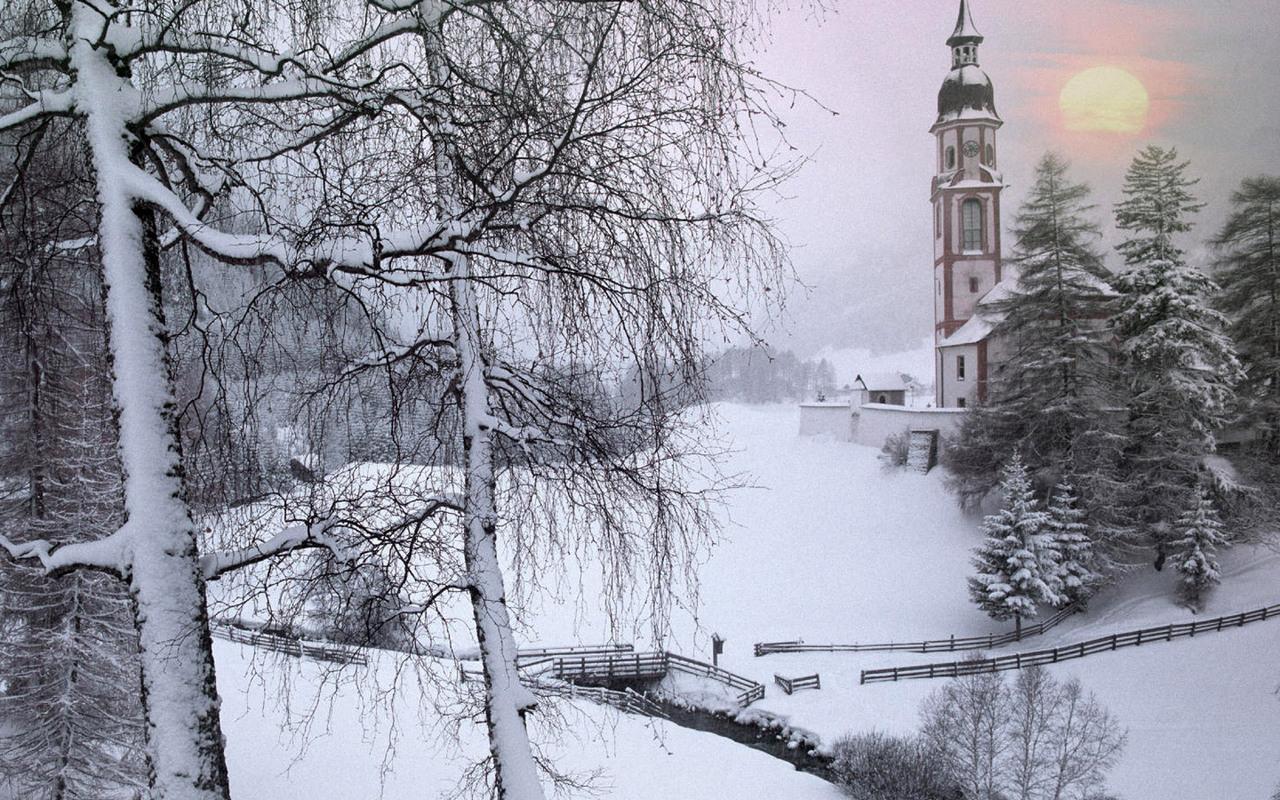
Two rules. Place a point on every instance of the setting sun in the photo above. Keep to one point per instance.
(1106, 99)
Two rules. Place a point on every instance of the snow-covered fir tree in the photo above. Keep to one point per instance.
(1195, 551)
(1054, 399)
(1180, 364)
(1248, 270)
(1075, 562)
(1015, 563)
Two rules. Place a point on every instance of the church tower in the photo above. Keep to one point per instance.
(966, 215)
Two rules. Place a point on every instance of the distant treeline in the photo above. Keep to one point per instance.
(765, 375)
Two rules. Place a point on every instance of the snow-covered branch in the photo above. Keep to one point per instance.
(109, 553)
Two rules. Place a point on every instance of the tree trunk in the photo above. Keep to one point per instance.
(506, 698)
(180, 699)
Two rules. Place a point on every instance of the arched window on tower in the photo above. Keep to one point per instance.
(951, 158)
(991, 156)
(971, 223)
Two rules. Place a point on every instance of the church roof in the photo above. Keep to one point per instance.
(881, 381)
(967, 93)
(986, 318)
(966, 32)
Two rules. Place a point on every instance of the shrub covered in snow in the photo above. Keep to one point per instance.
(895, 449)
(876, 766)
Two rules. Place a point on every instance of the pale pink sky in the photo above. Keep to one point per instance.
(859, 214)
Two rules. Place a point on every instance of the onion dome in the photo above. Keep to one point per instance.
(967, 93)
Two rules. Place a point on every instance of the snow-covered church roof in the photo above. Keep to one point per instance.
(985, 318)
(881, 381)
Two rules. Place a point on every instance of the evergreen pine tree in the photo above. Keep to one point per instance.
(1015, 562)
(1249, 272)
(1181, 366)
(1054, 394)
(1075, 562)
(1195, 551)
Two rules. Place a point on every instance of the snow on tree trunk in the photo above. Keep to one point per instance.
(179, 691)
(506, 698)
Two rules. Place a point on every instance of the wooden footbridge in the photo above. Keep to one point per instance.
(615, 665)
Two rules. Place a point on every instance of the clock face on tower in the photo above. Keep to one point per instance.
(971, 149)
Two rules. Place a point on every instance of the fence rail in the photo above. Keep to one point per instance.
(622, 665)
(337, 654)
(537, 653)
(627, 700)
(793, 685)
(1103, 644)
(948, 645)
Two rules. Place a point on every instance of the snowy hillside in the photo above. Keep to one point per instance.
(830, 547)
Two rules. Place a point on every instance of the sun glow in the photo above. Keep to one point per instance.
(1106, 99)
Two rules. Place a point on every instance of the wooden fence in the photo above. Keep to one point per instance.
(793, 685)
(535, 653)
(950, 645)
(626, 665)
(1070, 652)
(748, 690)
(628, 700)
(320, 651)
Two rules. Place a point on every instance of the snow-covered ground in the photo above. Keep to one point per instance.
(839, 550)
(832, 548)
(342, 753)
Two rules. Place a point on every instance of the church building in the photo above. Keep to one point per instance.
(969, 274)
(967, 268)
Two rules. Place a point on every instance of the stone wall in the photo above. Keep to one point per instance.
(873, 423)
(827, 419)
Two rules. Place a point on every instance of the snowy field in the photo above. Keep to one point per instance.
(829, 548)
(342, 754)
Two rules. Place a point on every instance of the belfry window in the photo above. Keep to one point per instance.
(971, 224)
(991, 156)
(951, 158)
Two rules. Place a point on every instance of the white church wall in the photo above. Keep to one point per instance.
(827, 419)
(951, 388)
(964, 300)
(873, 423)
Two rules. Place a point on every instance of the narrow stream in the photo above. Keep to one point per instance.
(766, 740)
(753, 736)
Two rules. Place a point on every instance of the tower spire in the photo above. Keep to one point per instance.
(964, 39)
(966, 32)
